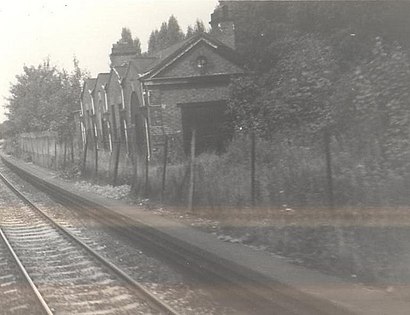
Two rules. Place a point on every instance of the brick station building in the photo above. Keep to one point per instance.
(145, 99)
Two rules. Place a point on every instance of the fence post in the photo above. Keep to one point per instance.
(33, 148)
(116, 162)
(72, 149)
(164, 170)
(43, 154)
(85, 153)
(96, 156)
(191, 172)
(253, 168)
(55, 153)
(146, 187)
(48, 151)
(65, 154)
(329, 176)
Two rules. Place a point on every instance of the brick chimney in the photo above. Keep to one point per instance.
(223, 27)
(122, 53)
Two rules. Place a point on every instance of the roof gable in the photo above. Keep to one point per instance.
(178, 51)
(116, 75)
(88, 86)
(199, 61)
(101, 81)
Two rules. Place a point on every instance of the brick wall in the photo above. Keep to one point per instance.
(187, 66)
(169, 98)
(114, 99)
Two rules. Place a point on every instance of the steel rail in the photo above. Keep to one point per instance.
(26, 275)
(152, 300)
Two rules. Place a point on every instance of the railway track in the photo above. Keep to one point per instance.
(244, 289)
(18, 295)
(64, 273)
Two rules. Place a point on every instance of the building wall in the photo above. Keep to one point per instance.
(187, 66)
(86, 101)
(158, 100)
(114, 100)
(165, 114)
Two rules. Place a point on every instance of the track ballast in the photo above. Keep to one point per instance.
(70, 277)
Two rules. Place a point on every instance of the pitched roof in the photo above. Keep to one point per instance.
(102, 78)
(164, 53)
(142, 64)
(170, 54)
(121, 70)
(88, 83)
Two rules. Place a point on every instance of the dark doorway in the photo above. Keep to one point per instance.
(211, 123)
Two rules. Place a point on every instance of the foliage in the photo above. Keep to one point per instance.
(199, 27)
(292, 96)
(126, 38)
(189, 31)
(169, 33)
(6, 129)
(332, 68)
(374, 102)
(45, 98)
(137, 45)
(174, 33)
(349, 27)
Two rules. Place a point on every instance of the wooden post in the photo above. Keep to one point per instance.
(96, 157)
(31, 149)
(36, 147)
(48, 152)
(43, 150)
(85, 153)
(253, 168)
(191, 172)
(72, 149)
(329, 177)
(55, 153)
(164, 169)
(116, 163)
(146, 187)
(65, 154)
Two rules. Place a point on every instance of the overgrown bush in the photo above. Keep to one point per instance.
(288, 175)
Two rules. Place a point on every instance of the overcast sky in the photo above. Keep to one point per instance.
(31, 30)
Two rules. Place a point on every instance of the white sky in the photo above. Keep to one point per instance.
(31, 30)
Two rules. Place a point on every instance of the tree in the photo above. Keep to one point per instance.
(169, 34)
(349, 27)
(199, 27)
(68, 101)
(162, 38)
(126, 39)
(32, 98)
(292, 99)
(153, 42)
(137, 45)
(294, 95)
(126, 36)
(174, 33)
(374, 101)
(44, 98)
(189, 31)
